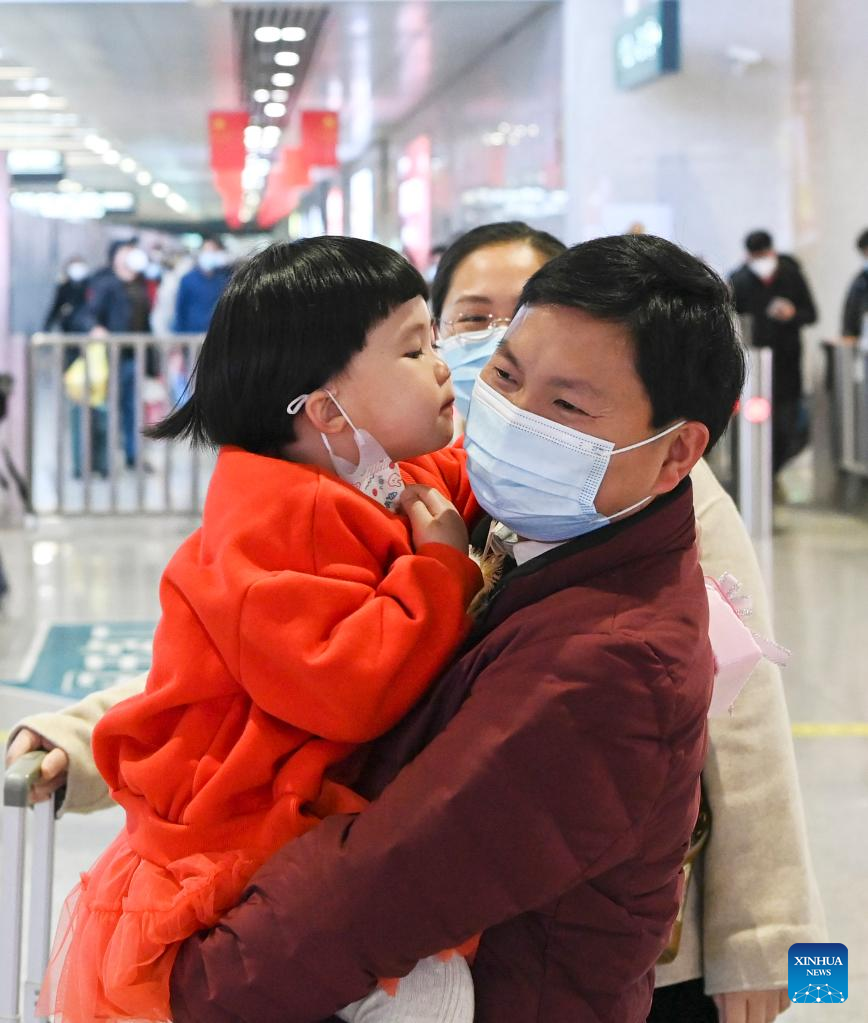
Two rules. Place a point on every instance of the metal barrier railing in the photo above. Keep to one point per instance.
(753, 441)
(89, 399)
(847, 395)
(743, 458)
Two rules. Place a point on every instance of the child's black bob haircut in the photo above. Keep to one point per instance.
(291, 318)
(678, 314)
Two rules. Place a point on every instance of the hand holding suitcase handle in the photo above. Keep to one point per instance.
(20, 777)
(53, 763)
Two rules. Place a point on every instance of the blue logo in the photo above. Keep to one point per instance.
(818, 972)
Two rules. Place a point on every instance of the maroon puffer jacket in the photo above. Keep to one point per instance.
(551, 812)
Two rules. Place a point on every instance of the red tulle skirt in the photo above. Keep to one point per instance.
(121, 928)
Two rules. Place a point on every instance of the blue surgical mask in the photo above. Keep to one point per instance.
(465, 354)
(534, 475)
(211, 260)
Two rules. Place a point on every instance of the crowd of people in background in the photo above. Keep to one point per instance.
(156, 291)
(168, 291)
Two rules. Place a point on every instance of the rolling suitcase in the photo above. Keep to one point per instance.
(16, 788)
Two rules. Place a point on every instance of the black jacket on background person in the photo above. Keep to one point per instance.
(753, 295)
(69, 300)
(110, 304)
(855, 306)
(122, 307)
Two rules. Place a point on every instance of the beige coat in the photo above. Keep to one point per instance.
(755, 893)
(754, 887)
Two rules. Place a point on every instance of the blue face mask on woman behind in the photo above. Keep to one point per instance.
(466, 354)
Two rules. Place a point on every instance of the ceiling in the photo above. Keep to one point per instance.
(143, 76)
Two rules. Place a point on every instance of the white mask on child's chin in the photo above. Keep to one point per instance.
(377, 473)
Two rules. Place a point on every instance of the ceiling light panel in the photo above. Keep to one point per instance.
(261, 32)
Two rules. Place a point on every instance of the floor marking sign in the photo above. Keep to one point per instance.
(74, 660)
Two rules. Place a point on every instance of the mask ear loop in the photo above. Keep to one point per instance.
(297, 404)
(649, 440)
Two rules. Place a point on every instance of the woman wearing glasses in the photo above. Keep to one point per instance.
(474, 291)
(740, 917)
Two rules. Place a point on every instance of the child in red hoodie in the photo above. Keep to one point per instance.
(313, 607)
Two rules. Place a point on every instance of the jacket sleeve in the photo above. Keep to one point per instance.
(53, 313)
(446, 470)
(806, 310)
(855, 305)
(92, 312)
(738, 289)
(537, 783)
(367, 644)
(759, 894)
(179, 321)
(71, 730)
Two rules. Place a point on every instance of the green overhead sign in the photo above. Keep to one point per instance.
(647, 45)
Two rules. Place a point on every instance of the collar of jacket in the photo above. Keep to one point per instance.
(664, 525)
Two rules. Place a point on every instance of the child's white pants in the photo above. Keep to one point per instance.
(435, 991)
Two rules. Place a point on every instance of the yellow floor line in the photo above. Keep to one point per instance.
(829, 729)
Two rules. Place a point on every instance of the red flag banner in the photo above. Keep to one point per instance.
(226, 135)
(294, 169)
(286, 182)
(319, 137)
(228, 185)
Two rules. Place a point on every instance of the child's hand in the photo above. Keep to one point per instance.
(433, 519)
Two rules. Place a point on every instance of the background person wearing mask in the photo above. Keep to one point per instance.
(69, 297)
(201, 287)
(772, 289)
(856, 302)
(118, 303)
(68, 312)
(739, 920)
(176, 264)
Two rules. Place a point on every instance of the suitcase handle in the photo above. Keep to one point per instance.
(21, 775)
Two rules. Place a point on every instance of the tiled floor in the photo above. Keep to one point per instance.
(77, 570)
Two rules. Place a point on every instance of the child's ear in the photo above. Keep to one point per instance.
(322, 413)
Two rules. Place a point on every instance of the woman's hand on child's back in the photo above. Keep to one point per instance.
(433, 519)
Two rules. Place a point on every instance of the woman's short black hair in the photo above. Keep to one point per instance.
(488, 234)
(290, 319)
(862, 241)
(678, 313)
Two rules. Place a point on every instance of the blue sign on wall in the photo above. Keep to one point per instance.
(648, 45)
(75, 660)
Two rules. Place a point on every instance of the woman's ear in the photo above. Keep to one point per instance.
(686, 447)
(322, 413)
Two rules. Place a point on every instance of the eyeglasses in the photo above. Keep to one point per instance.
(473, 322)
